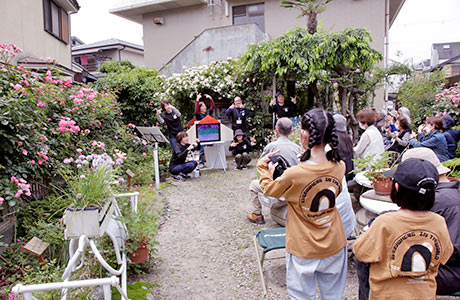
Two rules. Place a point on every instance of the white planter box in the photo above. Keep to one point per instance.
(89, 221)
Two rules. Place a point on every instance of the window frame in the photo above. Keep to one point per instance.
(247, 16)
(62, 36)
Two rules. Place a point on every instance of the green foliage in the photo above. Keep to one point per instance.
(136, 291)
(137, 88)
(454, 166)
(419, 95)
(374, 168)
(307, 7)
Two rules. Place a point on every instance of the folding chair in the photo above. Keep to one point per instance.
(269, 239)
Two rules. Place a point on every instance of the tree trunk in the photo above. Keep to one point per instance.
(312, 22)
(354, 122)
(313, 94)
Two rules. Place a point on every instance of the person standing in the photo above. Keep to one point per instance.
(315, 237)
(171, 117)
(201, 110)
(282, 108)
(238, 113)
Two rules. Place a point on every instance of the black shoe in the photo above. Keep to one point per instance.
(185, 176)
(178, 178)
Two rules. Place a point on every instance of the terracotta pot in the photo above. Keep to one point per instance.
(140, 255)
(453, 178)
(382, 186)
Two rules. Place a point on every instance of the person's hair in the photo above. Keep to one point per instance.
(435, 121)
(403, 124)
(321, 126)
(201, 103)
(366, 116)
(284, 126)
(345, 146)
(408, 199)
(180, 135)
(164, 103)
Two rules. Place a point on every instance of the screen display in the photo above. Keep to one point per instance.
(208, 132)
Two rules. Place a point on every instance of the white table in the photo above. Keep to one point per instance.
(376, 206)
(362, 180)
(215, 155)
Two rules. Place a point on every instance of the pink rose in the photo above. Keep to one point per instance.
(20, 143)
(24, 152)
(18, 193)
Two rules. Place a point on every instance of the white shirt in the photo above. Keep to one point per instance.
(370, 143)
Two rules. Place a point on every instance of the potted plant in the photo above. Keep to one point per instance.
(91, 194)
(375, 169)
(454, 166)
(142, 229)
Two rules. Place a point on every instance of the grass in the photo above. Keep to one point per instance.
(136, 291)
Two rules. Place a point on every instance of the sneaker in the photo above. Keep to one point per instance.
(244, 167)
(238, 168)
(201, 166)
(185, 176)
(254, 218)
(178, 178)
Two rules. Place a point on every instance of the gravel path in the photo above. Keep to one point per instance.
(206, 246)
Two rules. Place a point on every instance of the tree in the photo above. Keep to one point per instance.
(309, 8)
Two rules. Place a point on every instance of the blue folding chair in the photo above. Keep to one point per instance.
(269, 239)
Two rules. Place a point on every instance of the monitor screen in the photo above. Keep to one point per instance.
(208, 132)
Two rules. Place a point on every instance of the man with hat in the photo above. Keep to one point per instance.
(281, 108)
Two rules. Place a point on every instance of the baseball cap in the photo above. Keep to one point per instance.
(415, 174)
(426, 154)
(279, 94)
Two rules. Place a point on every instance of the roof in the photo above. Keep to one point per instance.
(106, 44)
(447, 62)
(69, 5)
(447, 50)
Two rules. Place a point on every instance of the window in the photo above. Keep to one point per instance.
(251, 13)
(56, 20)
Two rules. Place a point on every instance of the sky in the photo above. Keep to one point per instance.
(419, 24)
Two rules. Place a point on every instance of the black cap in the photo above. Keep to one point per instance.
(279, 94)
(415, 174)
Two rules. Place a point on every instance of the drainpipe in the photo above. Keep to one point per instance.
(119, 52)
(386, 53)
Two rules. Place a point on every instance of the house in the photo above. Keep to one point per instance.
(181, 33)
(446, 57)
(92, 56)
(41, 28)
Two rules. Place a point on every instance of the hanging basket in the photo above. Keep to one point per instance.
(90, 221)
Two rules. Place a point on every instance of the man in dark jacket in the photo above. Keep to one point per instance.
(238, 113)
(283, 108)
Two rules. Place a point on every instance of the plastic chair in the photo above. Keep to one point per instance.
(269, 239)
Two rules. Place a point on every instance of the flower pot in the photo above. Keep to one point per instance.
(382, 186)
(141, 254)
(90, 221)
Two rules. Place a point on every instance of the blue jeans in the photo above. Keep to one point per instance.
(172, 143)
(184, 168)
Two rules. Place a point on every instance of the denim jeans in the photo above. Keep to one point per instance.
(184, 168)
(172, 143)
(363, 279)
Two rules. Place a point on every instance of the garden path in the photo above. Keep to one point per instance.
(206, 246)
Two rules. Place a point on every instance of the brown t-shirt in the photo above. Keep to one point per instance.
(405, 253)
(313, 226)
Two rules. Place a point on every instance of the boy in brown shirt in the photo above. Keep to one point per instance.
(405, 248)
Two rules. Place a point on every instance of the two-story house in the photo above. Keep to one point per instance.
(41, 28)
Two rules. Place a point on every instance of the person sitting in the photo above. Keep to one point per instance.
(431, 138)
(240, 148)
(281, 108)
(405, 248)
(401, 140)
(201, 110)
(288, 149)
(171, 117)
(452, 136)
(345, 144)
(446, 204)
(371, 141)
(238, 113)
(404, 112)
(178, 165)
(391, 121)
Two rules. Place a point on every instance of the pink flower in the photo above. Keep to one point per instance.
(20, 143)
(87, 131)
(32, 162)
(40, 162)
(18, 87)
(144, 154)
(24, 152)
(19, 193)
(44, 138)
(1, 200)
